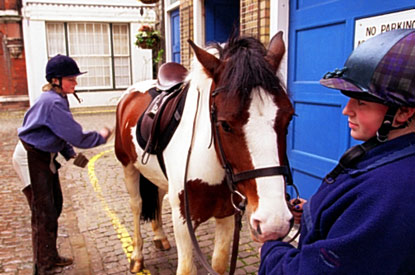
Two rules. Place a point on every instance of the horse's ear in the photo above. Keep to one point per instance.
(276, 50)
(208, 61)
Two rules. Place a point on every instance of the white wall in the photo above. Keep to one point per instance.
(36, 12)
(279, 15)
(36, 56)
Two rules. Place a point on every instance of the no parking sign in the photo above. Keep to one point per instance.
(366, 28)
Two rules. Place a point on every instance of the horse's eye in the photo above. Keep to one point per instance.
(225, 126)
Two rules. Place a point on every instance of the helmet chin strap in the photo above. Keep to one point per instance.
(77, 98)
(60, 87)
(354, 154)
(386, 127)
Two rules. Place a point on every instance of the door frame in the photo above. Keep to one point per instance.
(199, 22)
(279, 21)
(168, 8)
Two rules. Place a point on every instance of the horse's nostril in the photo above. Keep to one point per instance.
(256, 225)
(258, 229)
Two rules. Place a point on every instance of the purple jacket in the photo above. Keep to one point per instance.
(49, 126)
(363, 223)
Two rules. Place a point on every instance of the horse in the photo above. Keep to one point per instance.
(234, 125)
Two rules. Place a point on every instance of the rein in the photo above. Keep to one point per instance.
(189, 224)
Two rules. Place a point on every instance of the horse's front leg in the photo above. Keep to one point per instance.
(160, 238)
(223, 237)
(132, 182)
(185, 265)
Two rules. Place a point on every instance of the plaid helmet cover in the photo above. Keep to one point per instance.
(382, 69)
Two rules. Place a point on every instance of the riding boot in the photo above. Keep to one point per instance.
(46, 207)
(27, 191)
(44, 236)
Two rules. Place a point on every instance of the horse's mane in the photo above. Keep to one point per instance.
(246, 68)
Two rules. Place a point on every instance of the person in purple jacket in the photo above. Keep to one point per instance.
(49, 128)
(361, 220)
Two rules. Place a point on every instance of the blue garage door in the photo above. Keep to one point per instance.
(221, 18)
(321, 38)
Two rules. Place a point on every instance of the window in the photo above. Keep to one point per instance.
(101, 49)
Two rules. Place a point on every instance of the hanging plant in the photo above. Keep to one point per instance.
(147, 37)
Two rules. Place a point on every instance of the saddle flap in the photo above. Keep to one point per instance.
(158, 123)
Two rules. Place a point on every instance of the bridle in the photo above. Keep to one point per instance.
(231, 180)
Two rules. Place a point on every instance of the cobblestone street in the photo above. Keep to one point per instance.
(96, 225)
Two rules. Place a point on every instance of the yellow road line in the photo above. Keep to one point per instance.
(122, 232)
(86, 112)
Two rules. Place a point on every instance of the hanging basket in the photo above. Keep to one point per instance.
(144, 45)
(147, 37)
(148, 1)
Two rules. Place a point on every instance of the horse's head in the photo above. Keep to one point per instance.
(250, 113)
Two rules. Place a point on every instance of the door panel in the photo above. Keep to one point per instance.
(175, 34)
(221, 17)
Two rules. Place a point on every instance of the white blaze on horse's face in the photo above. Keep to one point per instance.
(271, 216)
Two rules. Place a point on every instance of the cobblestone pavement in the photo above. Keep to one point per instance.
(96, 225)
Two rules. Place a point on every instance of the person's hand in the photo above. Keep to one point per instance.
(296, 207)
(105, 132)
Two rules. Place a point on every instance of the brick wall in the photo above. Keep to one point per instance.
(186, 31)
(13, 80)
(264, 21)
(255, 19)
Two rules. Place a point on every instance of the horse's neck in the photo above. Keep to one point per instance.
(204, 159)
(200, 86)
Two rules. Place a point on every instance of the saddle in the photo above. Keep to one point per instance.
(159, 121)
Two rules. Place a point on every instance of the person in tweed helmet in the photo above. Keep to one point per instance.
(361, 220)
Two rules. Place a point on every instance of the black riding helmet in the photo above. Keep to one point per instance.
(381, 70)
(60, 66)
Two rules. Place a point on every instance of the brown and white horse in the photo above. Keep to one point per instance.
(236, 86)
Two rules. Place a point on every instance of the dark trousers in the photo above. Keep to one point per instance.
(46, 202)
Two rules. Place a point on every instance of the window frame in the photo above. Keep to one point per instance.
(112, 55)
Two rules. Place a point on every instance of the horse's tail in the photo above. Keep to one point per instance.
(150, 199)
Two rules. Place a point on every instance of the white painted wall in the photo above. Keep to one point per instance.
(279, 15)
(36, 56)
(199, 23)
(36, 12)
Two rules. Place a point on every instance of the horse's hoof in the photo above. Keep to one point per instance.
(136, 266)
(162, 244)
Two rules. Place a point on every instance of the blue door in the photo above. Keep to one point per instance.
(175, 35)
(321, 38)
(221, 19)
